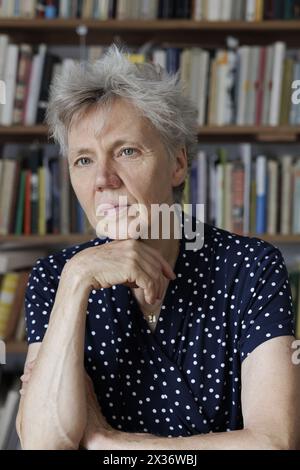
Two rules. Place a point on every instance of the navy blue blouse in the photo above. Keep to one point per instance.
(185, 377)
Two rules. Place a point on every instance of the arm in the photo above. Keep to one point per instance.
(270, 403)
(55, 401)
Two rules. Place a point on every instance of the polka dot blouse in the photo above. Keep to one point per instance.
(185, 377)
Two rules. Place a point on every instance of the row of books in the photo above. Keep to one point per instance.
(26, 73)
(15, 266)
(210, 10)
(294, 276)
(36, 196)
(12, 291)
(248, 194)
(246, 85)
(245, 194)
(99, 9)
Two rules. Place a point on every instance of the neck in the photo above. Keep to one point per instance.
(168, 248)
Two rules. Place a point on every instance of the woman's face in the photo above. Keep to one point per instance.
(115, 152)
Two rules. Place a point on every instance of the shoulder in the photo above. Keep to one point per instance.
(226, 244)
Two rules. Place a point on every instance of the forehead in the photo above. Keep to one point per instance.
(107, 122)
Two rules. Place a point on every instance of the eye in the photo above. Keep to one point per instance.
(128, 151)
(84, 161)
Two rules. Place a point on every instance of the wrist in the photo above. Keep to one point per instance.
(76, 277)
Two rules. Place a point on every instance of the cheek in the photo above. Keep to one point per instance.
(82, 187)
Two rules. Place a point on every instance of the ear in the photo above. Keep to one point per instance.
(179, 172)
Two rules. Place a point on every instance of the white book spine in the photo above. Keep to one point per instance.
(296, 201)
(202, 88)
(10, 84)
(250, 10)
(63, 9)
(244, 53)
(261, 163)
(201, 177)
(226, 8)
(247, 161)
(219, 195)
(3, 54)
(272, 197)
(277, 75)
(213, 10)
(222, 73)
(199, 10)
(285, 221)
(103, 8)
(35, 85)
(160, 58)
(185, 71)
(267, 85)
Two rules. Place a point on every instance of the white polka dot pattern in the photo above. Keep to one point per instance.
(185, 377)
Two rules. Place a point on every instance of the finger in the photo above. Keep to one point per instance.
(168, 271)
(146, 282)
(152, 269)
(29, 366)
(152, 283)
(155, 283)
(25, 377)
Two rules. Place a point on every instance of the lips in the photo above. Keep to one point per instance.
(108, 206)
(107, 209)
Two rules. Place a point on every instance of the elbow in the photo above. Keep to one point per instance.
(31, 440)
(280, 441)
(287, 443)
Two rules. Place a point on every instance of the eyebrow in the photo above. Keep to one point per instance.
(74, 153)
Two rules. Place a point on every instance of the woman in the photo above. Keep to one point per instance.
(138, 342)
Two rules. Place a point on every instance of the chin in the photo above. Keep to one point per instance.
(120, 231)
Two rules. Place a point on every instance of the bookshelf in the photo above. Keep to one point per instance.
(16, 347)
(76, 238)
(212, 32)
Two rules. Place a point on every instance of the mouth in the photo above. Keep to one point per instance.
(108, 209)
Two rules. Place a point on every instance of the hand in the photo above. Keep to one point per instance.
(128, 262)
(26, 376)
(97, 428)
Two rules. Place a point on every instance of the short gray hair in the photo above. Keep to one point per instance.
(159, 96)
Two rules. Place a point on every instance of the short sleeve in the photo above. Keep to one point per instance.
(268, 308)
(39, 300)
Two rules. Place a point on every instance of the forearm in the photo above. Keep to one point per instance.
(53, 410)
(235, 440)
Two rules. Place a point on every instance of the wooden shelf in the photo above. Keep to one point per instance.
(206, 133)
(249, 133)
(288, 239)
(74, 238)
(23, 133)
(71, 239)
(16, 347)
(142, 24)
(135, 31)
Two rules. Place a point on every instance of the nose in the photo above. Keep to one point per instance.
(106, 177)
